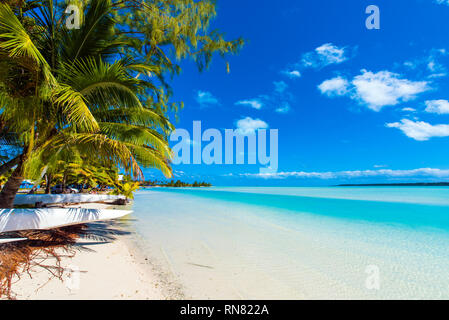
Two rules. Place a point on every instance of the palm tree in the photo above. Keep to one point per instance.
(72, 98)
(126, 189)
(81, 173)
(98, 91)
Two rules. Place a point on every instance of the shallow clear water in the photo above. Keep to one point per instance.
(293, 243)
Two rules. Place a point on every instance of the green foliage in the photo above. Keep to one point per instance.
(98, 93)
(126, 189)
(83, 173)
(5, 177)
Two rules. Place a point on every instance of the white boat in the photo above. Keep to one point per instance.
(44, 219)
(31, 199)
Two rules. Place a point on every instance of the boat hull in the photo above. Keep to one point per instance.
(45, 218)
(31, 199)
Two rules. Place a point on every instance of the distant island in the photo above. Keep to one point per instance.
(175, 184)
(418, 184)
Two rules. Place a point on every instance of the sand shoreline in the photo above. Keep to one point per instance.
(106, 270)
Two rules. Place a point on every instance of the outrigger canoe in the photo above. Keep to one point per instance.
(46, 218)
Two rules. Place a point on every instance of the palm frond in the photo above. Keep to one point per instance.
(93, 38)
(16, 42)
(103, 84)
(74, 106)
(137, 135)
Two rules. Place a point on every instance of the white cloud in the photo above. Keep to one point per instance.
(292, 74)
(446, 2)
(178, 173)
(420, 130)
(253, 103)
(280, 86)
(249, 125)
(375, 90)
(408, 109)
(437, 106)
(410, 64)
(428, 172)
(336, 86)
(205, 99)
(284, 108)
(430, 63)
(437, 75)
(324, 55)
(385, 88)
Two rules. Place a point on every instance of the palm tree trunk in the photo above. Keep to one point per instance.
(33, 190)
(64, 179)
(48, 179)
(8, 165)
(10, 189)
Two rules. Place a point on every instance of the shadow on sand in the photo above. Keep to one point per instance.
(45, 249)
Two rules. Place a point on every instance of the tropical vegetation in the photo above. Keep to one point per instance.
(175, 184)
(80, 104)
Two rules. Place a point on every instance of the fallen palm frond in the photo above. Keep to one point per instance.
(45, 250)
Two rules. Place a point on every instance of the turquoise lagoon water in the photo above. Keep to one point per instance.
(299, 243)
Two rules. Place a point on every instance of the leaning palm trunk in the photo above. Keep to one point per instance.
(12, 186)
(64, 182)
(48, 179)
(33, 190)
(8, 165)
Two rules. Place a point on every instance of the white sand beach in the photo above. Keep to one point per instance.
(112, 270)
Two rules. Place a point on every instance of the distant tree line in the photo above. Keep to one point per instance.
(411, 184)
(175, 184)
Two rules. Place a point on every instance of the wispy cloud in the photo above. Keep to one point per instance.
(283, 108)
(253, 103)
(420, 130)
(292, 74)
(324, 55)
(178, 173)
(206, 99)
(280, 86)
(375, 90)
(422, 172)
(249, 125)
(437, 106)
(446, 2)
(279, 99)
(430, 63)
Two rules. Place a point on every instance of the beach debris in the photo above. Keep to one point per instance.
(18, 258)
(200, 265)
(120, 202)
(40, 204)
(45, 249)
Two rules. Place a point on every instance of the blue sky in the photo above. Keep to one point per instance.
(350, 104)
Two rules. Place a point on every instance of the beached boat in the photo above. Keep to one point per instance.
(31, 199)
(43, 219)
